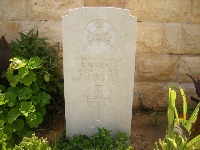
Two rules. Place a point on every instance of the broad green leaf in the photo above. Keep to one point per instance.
(26, 108)
(28, 79)
(17, 63)
(42, 98)
(34, 119)
(1, 88)
(34, 100)
(14, 89)
(17, 125)
(34, 62)
(23, 71)
(41, 109)
(22, 132)
(41, 82)
(12, 114)
(14, 80)
(2, 99)
(25, 93)
(35, 88)
(8, 130)
(1, 124)
(3, 136)
(10, 96)
(3, 114)
(2, 117)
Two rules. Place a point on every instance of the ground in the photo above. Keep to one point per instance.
(147, 126)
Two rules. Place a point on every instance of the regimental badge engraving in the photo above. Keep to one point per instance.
(99, 35)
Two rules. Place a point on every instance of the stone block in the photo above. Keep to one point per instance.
(154, 95)
(47, 29)
(51, 9)
(156, 68)
(195, 12)
(149, 37)
(160, 10)
(181, 39)
(188, 65)
(190, 39)
(10, 29)
(110, 3)
(11, 10)
(171, 39)
(150, 95)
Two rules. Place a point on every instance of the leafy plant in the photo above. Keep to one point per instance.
(33, 143)
(99, 141)
(22, 104)
(3, 136)
(31, 45)
(179, 135)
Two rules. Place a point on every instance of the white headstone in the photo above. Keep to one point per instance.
(99, 60)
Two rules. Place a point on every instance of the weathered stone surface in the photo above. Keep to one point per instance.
(188, 65)
(149, 37)
(9, 29)
(156, 68)
(177, 10)
(47, 29)
(181, 39)
(190, 39)
(50, 9)
(11, 10)
(110, 3)
(150, 95)
(160, 10)
(171, 39)
(195, 12)
(154, 95)
(98, 69)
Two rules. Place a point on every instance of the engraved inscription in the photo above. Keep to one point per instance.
(99, 35)
(95, 101)
(88, 68)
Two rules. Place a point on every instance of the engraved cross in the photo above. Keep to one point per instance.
(97, 99)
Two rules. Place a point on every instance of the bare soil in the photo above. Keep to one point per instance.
(147, 127)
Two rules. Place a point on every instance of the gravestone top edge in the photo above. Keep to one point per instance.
(71, 11)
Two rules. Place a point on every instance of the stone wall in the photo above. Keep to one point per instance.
(168, 38)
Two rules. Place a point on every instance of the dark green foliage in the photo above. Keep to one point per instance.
(99, 141)
(22, 104)
(29, 45)
(31, 80)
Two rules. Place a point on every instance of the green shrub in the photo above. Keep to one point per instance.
(31, 80)
(99, 141)
(22, 103)
(31, 44)
(33, 143)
